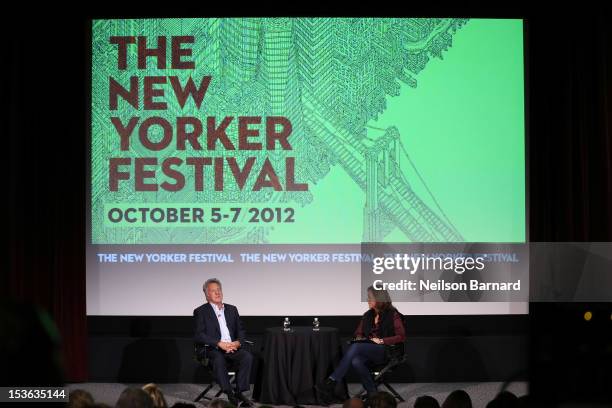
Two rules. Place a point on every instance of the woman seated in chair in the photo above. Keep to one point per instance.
(380, 326)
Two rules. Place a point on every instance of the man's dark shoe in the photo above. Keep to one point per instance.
(368, 397)
(243, 400)
(231, 397)
(326, 390)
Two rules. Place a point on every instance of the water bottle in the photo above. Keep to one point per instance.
(315, 324)
(287, 325)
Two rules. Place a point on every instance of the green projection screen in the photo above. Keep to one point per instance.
(231, 136)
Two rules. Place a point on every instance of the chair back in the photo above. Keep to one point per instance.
(396, 352)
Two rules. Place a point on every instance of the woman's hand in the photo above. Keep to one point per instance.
(377, 340)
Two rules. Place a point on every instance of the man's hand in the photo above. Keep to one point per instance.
(227, 346)
(377, 340)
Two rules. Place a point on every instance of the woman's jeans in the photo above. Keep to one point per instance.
(359, 355)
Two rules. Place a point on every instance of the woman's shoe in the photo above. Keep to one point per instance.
(326, 390)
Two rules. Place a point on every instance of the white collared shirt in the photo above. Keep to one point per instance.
(220, 312)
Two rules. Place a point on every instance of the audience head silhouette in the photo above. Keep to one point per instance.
(382, 399)
(156, 395)
(426, 401)
(353, 403)
(133, 397)
(457, 399)
(80, 399)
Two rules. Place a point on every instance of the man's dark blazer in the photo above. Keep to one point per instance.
(207, 330)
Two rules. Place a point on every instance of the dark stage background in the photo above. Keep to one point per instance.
(568, 56)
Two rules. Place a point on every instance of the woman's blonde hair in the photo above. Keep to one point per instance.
(156, 395)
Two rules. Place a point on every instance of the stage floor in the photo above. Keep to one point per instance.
(481, 393)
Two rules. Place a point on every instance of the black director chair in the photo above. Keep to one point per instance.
(201, 357)
(395, 356)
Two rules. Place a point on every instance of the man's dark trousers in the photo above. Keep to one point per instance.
(242, 360)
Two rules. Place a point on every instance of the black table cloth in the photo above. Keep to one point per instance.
(297, 360)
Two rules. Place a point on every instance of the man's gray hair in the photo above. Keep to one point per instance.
(208, 282)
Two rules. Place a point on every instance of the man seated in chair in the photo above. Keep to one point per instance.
(217, 325)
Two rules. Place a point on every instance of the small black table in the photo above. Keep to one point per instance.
(295, 361)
